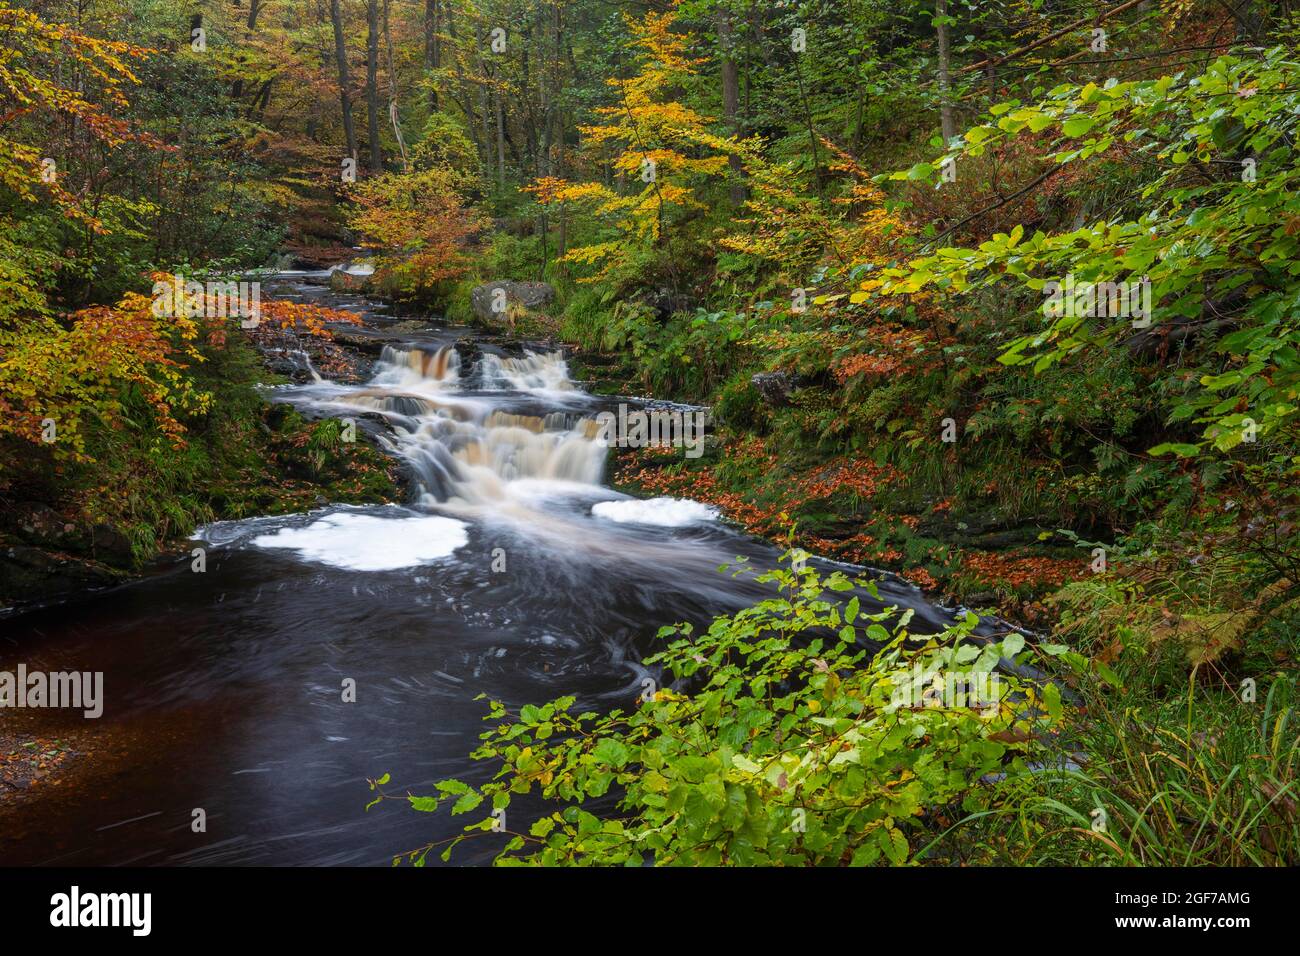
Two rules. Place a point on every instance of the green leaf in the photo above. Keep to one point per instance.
(1175, 448)
(612, 752)
(1077, 125)
(1052, 700)
(466, 803)
(895, 846)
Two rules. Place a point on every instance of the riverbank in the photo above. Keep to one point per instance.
(73, 529)
(76, 525)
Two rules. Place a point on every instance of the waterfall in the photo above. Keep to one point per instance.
(418, 368)
(306, 363)
(466, 449)
(532, 372)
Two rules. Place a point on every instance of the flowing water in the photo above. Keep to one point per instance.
(512, 572)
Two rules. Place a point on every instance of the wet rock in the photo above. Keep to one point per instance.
(469, 351)
(668, 303)
(31, 575)
(528, 295)
(774, 387)
(111, 546)
(412, 327)
(363, 340)
(351, 278)
(373, 424)
(38, 523)
(290, 367)
(280, 261)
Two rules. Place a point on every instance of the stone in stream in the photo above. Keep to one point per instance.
(529, 295)
(31, 575)
(353, 277)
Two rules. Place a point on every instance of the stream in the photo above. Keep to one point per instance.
(512, 571)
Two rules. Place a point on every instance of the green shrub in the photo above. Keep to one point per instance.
(740, 405)
(787, 742)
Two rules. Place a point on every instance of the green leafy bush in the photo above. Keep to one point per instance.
(786, 739)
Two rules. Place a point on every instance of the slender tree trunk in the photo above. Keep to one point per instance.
(345, 96)
(372, 84)
(254, 8)
(501, 140)
(562, 239)
(261, 99)
(394, 115)
(858, 123)
(485, 106)
(812, 131)
(730, 98)
(466, 99)
(543, 156)
(556, 166)
(528, 117)
(432, 45)
(946, 121)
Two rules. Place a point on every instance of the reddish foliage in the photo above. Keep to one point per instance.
(1021, 572)
(892, 348)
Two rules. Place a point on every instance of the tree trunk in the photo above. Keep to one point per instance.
(485, 105)
(946, 121)
(261, 99)
(432, 45)
(501, 140)
(237, 90)
(345, 97)
(730, 99)
(393, 114)
(372, 84)
(466, 99)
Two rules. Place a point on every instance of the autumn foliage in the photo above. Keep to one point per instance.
(659, 149)
(419, 223)
(25, 93)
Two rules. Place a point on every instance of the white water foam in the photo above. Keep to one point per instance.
(544, 374)
(418, 369)
(475, 460)
(663, 512)
(355, 269)
(368, 543)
